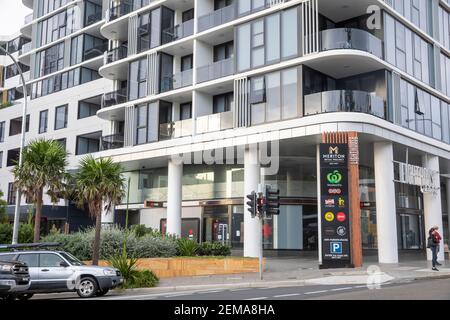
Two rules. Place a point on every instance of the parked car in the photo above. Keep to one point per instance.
(14, 279)
(59, 271)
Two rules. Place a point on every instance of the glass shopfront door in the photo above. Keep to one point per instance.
(411, 231)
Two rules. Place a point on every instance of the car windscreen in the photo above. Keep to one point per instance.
(8, 257)
(72, 260)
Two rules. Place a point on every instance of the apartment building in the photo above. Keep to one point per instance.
(144, 82)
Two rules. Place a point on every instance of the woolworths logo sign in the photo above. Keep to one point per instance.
(334, 177)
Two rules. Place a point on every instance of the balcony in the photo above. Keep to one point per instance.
(114, 98)
(217, 18)
(344, 101)
(114, 141)
(180, 31)
(116, 54)
(28, 18)
(175, 129)
(119, 10)
(93, 18)
(216, 70)
(346, 38)
(25, 48)
(215, 122)
(95, 52)
(177, 81)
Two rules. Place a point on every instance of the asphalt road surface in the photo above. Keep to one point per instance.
(420, 290)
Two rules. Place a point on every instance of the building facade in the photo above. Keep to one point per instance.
(242, 91)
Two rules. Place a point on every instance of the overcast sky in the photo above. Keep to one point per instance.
(12, 14)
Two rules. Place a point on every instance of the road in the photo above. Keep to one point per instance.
(417, 290)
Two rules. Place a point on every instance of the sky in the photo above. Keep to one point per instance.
(12, 14)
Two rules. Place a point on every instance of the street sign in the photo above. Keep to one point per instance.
(334, 197)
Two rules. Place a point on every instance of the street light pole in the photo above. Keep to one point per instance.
(22, 145)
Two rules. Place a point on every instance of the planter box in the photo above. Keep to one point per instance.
(196, 266)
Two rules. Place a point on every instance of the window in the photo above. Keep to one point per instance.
(267, 40)
(15, 126)
(86, 47)
(151, 29)
(188, 15)
(258, 90)
(43, 121)
(88, 143)
(147, 123)
(88, 109)
(137, 84)
(47, 6)
(186, 111)
(93, 13)
(1, 159)
(165, 112)
(12, 70)
(258, 43)
(222, 102)
(223, 51)
(187, 62)
(63, 142)
(61, 117)
(219, 4)
(58, 26)
(49, 60)
(31, 259)
(2, 131)
(166, 72)
(11, 199)
(12, 157)
(49, 260)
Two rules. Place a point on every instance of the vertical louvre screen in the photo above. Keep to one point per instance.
(130, 126)
(310, 20)
(153, 74)
(132, 34)
(242, 116)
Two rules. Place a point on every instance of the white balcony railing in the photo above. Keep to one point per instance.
(215, 122)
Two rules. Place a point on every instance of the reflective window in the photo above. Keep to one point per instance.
(137, 79)
(61, 117)
(49, 260)
(43, 121)
(31, 259)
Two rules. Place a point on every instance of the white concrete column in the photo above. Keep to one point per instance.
(385, 200)
(252, 232)
(174, 197)
(432, 205)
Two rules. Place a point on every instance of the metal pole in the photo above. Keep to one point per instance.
(22, 145)
(262, 248)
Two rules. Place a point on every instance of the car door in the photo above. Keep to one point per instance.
(53, 276)
(32, 260)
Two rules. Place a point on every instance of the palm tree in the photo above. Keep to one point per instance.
(100, 185)
(43, 168)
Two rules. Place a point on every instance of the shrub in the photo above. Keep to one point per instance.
(186, 247)
(26, 232)
(142, 279)
(80, 244)
(214, 249)
(126, 266)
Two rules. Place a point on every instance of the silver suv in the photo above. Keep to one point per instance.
(59, 271)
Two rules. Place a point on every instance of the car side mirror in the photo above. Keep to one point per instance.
(64, 264)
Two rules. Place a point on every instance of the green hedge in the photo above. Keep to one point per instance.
(148, 246)
(26, 232)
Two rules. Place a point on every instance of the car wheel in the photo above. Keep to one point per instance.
(25, 296)
(101, 293)
(87, 287)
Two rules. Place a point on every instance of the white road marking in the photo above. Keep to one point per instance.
(316, 292)
(258, 298)
(287, 295)
(206, 292)
(177, 295)
(342, 289)
(240, 289)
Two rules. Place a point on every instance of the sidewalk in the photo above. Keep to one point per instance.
(299, 272)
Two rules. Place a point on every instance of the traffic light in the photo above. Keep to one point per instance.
(252, 203)
(272, 201)
(261, 201)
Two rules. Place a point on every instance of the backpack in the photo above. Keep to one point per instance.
(430, 242)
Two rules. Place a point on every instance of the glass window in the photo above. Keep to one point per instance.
(186, 111)
(243, 53)
(141, 124)
(61, 117)
(289, 34)
(258, 43)
(31, 259)
(222, 102)
(88, 143)
(1, 159)
(290, 93)
(137, 87)
(273, 109)
(2, 131)
(187, 62)
(273, 38)
(49, 260)
(87, 109)
(43, 121)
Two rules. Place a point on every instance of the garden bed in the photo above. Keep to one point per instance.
(196, 266)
